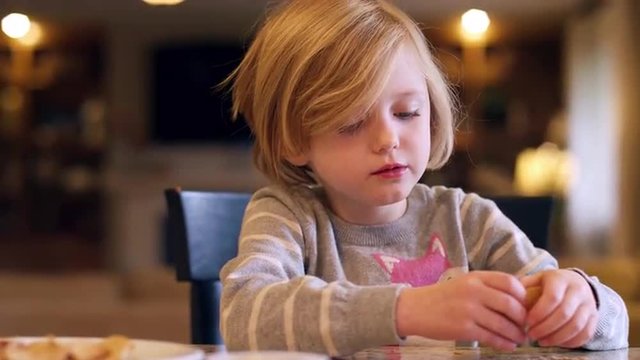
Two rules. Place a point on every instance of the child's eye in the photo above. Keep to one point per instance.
(351, 129)
(407, 115)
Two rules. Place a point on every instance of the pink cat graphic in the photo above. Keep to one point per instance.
(425, 270)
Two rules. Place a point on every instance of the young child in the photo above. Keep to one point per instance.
(346, 250)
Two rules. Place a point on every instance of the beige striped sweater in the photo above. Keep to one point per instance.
(305, 280)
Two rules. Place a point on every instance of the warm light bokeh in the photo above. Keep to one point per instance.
(16, 25)
(474, 23)
(163, 2)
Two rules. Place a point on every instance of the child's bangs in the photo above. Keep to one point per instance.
(351, 81)
(344, 106)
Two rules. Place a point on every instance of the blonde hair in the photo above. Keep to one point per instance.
(314, 64)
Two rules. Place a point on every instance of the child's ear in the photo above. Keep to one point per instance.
(300, 159)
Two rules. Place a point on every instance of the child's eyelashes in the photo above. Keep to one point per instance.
(351, 128)
(407, 115)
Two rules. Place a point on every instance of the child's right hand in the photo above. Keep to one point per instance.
(486, 306)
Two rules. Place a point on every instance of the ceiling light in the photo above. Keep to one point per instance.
(163, 2)
(475, 22)
(16, 25)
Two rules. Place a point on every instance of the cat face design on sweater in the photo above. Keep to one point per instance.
(432, 267)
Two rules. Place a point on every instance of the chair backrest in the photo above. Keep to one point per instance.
(203, 232)
(532, 214)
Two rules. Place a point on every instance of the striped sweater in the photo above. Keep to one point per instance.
(305, 280)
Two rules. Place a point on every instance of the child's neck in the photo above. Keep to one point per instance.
(361, 215)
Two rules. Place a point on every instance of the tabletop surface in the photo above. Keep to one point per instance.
(448, 353)
(442, 353)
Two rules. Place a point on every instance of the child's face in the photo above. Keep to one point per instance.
(369, 168)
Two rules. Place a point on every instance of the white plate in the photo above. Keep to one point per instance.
(142, 349)
(266, 355)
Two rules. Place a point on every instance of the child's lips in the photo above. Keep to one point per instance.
(391, 169)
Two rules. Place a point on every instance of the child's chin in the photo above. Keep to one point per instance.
(392, 197)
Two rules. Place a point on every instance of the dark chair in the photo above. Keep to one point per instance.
(203, 233)
(532, 214)
(204, 227)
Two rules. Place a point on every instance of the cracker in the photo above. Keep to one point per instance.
(532, 296)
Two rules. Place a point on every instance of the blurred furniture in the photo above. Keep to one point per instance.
(203, 230)
(141, 304)
(532, 214)
(52, 149)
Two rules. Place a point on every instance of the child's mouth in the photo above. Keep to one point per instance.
(393, 170)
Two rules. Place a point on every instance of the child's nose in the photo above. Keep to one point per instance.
(386, 135)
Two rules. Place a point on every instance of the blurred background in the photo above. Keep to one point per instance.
(104, 104)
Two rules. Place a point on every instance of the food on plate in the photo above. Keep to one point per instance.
(532, 296)
(115, 347)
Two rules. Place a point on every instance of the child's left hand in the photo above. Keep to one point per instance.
(566, 314)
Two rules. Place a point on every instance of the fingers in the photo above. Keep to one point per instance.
(532, 280)
(501, 314)
(501, 327)
(552, 296)
(584, 335)
(506, 305)
(551, 313)
(502, 293)
(565, 315)
(572, 333)
(503, 282)
(494, 340)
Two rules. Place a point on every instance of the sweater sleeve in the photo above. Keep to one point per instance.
(612, 329)
(269, 302)
(500, 245)
(494, 242)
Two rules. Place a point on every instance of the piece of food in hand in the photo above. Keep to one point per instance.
(532, 296)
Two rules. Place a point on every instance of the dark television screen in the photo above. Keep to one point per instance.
(187, 106)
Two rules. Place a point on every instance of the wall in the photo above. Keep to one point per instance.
(138, 171)
(603, 107)
(629, 229)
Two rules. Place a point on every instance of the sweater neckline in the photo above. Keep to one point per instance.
(400, 230)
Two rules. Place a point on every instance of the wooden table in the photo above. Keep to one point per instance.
(444, 353)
